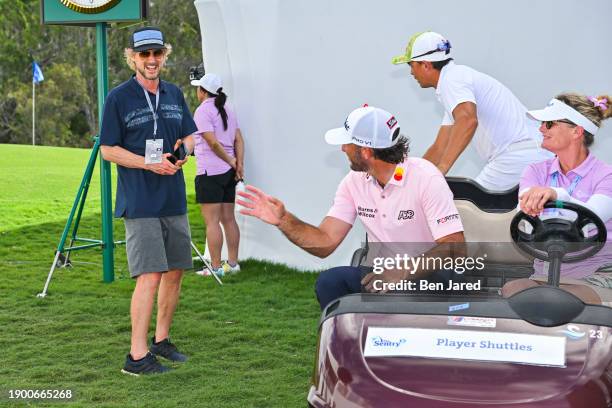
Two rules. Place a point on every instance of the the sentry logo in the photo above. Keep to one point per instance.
(573, 332)
(380, 342)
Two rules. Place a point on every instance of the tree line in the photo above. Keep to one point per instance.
(66, 101)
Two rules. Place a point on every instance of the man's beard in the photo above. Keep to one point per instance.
(358, 165)
(144, 74)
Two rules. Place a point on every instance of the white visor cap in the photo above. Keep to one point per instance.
(557, 110)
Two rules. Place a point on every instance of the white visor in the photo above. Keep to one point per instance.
(557, 110)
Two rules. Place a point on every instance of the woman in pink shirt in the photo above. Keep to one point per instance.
(219, 152)
(569, 123)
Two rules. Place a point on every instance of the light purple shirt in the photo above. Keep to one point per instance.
(208, 119)
(595, 178)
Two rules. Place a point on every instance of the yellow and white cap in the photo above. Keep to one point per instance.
(425, 46)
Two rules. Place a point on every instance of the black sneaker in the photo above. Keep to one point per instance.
(167, 350)
(146, 365)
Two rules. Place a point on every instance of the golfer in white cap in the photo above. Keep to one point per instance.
(476, 107)
(397, 199)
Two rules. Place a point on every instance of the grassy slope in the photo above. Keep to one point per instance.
(38, 184)
(251, 342)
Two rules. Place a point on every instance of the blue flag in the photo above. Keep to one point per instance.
(37, 75)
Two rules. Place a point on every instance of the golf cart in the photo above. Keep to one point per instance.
(541, 347)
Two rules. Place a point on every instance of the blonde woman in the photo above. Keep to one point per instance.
(569, 124)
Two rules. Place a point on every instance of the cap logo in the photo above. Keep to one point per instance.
(346, 125)
(361, 141)
(444, 46)
(392, 122)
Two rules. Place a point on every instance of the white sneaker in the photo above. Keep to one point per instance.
(206, 272)
(227, 268)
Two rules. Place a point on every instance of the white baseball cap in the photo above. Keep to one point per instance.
(556, 110)
(211, 82)
(425, 46)
(367, 127)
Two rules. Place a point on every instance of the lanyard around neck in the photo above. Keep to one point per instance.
(554, 182)
(154, 112)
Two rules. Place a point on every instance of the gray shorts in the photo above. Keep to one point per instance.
(158, 244)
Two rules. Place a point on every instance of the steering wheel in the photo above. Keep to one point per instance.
(558, 237)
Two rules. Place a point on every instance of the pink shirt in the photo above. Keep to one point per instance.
(417, 208)
(207, 119)
(595, 177)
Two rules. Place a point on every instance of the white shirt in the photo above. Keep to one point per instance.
(502, 118)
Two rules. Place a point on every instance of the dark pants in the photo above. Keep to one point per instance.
(337, 282)
(343, 280)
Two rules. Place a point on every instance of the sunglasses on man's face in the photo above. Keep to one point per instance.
(550, 123)
(156, 53)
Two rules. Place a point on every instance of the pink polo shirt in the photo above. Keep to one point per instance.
(595, 177)
(417, 208)
(207, 119)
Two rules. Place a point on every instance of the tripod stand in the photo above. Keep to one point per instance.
(62, 253)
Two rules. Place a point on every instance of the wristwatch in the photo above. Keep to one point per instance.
(89, 6)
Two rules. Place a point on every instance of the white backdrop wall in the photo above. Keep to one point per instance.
(295, 68)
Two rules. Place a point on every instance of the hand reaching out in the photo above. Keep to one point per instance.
(260, 205)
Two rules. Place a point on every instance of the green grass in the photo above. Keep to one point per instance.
(39, 184)
(251, 342)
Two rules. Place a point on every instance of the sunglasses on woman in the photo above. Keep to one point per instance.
(156, 53)
(550, 123)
